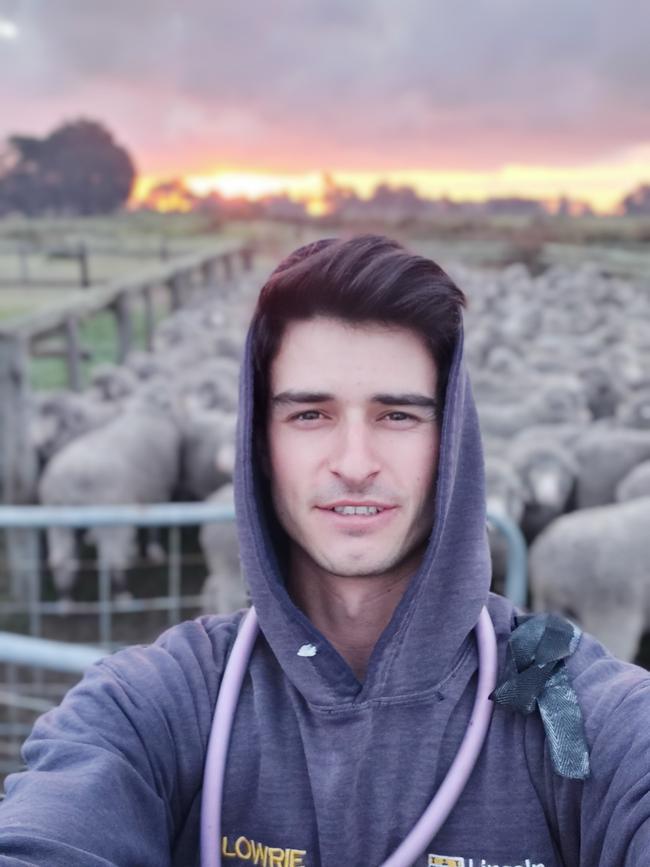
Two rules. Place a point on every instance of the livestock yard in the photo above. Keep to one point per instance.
(122, 340)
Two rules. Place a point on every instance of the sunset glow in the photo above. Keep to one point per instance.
(601, 184)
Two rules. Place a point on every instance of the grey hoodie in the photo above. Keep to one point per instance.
(323, 769)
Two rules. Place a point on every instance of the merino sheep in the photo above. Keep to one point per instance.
(634, 411)
(602, 390)
(112, 383)
(60, 417)
(208, 440)
(223, 590)
(548, 472)
(147, 365)
(636, 484)
(211, 385)
(594, 565)
(505, 498)
(134, 459)
(605, 457)
(559, 401)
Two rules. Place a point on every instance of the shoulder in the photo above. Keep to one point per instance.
(191, 655)
(614, 697)
(156, 687)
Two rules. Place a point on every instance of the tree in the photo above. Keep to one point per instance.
(77, 169)
(637, 203)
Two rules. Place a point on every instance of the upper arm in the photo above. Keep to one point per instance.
(606, 819)
(112, 771)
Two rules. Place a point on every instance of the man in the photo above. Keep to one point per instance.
(361, 513)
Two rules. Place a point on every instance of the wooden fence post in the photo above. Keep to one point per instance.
(122, 311)
(208, 272)
(149, 317)
(18, 463)
(247, 258)
(73, 353)
(177, 284)
(84, 271)
(226, 259)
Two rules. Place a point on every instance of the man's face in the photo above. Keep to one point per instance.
(352, 423)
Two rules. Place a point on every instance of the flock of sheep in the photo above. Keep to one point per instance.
(560, 368)
(159, 427)
(561, 375)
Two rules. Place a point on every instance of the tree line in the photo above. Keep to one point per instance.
(79, 169)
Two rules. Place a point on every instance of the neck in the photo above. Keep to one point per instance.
(350, 611)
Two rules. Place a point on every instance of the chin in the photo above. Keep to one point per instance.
(358, 565)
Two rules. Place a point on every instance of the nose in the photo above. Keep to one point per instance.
(353, 458)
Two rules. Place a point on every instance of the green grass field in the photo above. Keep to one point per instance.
(98, 334)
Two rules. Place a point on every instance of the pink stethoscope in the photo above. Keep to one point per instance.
(443, 801)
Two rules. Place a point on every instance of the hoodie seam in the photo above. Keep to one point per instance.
(413, 697)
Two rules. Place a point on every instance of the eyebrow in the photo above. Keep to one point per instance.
(290, 397)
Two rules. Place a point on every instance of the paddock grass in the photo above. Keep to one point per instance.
(99, 335)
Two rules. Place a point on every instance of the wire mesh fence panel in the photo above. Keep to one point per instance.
(162, 585)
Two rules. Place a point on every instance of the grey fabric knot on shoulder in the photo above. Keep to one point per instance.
(536, 675)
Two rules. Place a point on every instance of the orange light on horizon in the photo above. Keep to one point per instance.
(601, 185)
(232, 184)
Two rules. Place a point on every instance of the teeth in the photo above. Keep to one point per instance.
(356, 510)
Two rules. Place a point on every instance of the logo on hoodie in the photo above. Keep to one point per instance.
(244, 849)
(459, 861)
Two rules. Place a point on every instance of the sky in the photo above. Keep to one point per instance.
(467, 99)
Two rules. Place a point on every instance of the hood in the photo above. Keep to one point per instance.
(443, 600)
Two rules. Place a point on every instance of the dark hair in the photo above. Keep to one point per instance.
(365, 279)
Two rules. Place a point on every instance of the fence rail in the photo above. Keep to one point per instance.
(81, 252)
(170, 515)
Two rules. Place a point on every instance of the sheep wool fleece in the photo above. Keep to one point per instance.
(324, 770)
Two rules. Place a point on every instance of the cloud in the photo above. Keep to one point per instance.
(329, 83)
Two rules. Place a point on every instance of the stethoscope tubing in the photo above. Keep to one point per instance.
(445, 798)
(221, 729)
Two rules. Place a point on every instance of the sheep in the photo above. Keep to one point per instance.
(59, 417)
(602, 390)
(634, 412)
(594, 565)
(223, 590)
(505, 498)
(213, 384)
(605, 457)
(626, 362)
(565, 435)
(147, 365)
(635, 484)
(112, 383)
(548, 472)
(559, 401)
(133, 459)
(208, 440)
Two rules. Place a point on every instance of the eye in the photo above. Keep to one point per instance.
(399, 416)
(307, 415)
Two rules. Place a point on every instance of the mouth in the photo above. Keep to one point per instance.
(350, 509)
(358, 517)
